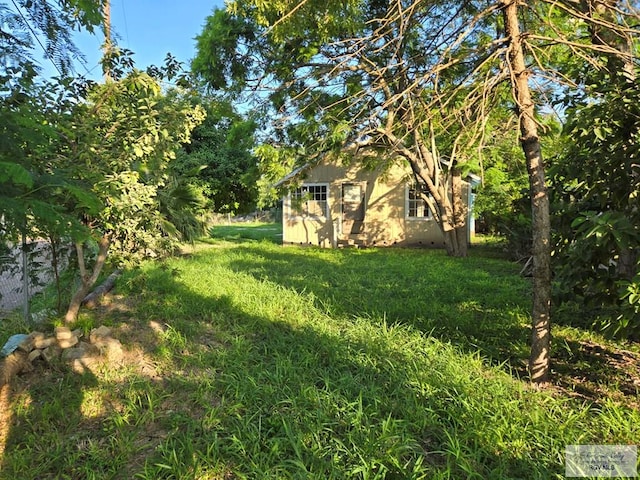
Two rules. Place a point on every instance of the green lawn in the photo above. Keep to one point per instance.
(251, 360)
(248, 231)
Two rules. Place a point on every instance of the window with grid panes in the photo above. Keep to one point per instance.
(417, 208)
(310, 200)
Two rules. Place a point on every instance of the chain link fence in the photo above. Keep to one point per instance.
(39, 269)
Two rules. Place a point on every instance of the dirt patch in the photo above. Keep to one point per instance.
(594, 372)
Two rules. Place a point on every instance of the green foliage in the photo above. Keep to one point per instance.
(503, 204)
(340, 75)
(120, 141)
(182, 205)
(275, 164)
(503, 191)
(596, 185)
(219, 159)
(15, 174)
(222, 37)
(50, 23)
(82, 161)
(34, 185)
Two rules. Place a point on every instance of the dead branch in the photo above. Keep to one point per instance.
(93, 299)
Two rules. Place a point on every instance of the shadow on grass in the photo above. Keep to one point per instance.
(242, 384)
(480, 304)
(295, 400)
(235, 394)
(40, 410)
(595, 372)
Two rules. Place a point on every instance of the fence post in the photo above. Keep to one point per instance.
(25, 278)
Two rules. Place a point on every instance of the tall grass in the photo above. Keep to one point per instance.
(268, 362)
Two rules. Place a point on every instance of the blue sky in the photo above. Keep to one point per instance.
(150, 28)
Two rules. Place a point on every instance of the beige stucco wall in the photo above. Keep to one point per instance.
(385, 221)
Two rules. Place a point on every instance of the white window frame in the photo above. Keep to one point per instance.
(421, 205)
(293, 213)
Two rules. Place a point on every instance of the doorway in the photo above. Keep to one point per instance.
(353, 208)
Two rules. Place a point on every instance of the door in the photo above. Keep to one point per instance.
(352, 208)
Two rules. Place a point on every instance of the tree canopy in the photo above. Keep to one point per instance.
(28, 25)
(219, 158)
(355, 72)
(86, 161)
(420, 80)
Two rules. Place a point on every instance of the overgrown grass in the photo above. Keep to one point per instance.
(250, 360)
(248, 231)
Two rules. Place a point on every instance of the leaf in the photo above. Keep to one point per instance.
(578, 221)
(85, 198)
(138, 152)
(598, 132)
(15, 173)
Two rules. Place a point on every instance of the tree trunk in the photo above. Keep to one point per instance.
(448, 209)
(539, 360)
(459, 213)
(628, 264)
(445, 204)
(455, 241)
(87, 281)
(454, 223)
(25, 278)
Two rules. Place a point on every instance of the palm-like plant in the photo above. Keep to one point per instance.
(182, 206)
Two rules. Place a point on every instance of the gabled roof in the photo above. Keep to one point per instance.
(292, 175)
(472, 178)
(318, 158)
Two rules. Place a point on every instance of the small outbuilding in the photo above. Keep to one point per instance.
(345, 204)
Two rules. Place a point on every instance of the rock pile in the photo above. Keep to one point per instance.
(64, 346)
